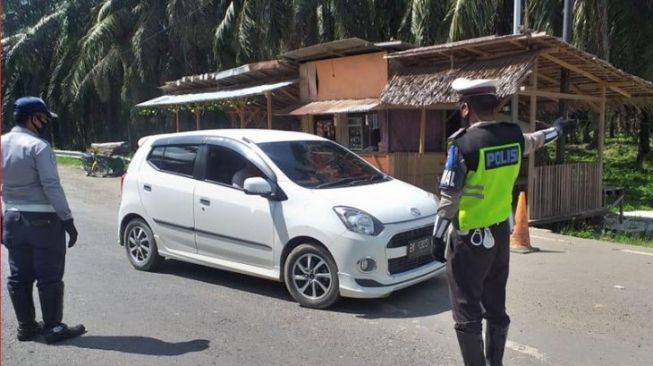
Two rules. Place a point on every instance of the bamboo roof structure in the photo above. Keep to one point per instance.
(510, 59)
(422, 87)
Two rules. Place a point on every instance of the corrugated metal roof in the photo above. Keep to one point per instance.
(343, 47)
(337, 106)
(166, 100)
(257, 72)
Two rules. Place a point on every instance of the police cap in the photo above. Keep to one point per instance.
(474, 87)
(27, 106)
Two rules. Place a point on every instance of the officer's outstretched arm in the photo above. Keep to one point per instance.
(535, 140)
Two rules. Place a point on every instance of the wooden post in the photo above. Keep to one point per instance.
(197, 118)
(342, 133)
(268, 96)
(241, 115)
(601, 144)
(530, 199)
(444, 130)
(422, 131)
(177, 117)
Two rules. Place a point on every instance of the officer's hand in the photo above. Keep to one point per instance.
(69, 226)
(562, 124)
(438, 249)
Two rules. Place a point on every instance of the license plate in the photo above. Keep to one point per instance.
(419, 248)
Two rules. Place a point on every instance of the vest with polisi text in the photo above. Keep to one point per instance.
(493, 155)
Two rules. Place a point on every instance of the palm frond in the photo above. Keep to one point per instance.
(97, 79)
(470, 18)
(225, 30)
(24, 45)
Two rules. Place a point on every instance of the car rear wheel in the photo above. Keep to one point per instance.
(140, 246)
(311, 276)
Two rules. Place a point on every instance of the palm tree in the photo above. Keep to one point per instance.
(94, 59)
(251, 30)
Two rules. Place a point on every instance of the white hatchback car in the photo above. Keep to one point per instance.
(287, 206)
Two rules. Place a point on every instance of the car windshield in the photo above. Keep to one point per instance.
(321, 164)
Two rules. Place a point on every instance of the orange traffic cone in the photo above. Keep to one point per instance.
(520, 240)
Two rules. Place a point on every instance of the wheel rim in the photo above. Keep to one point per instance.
(311, 276)
(139, 244)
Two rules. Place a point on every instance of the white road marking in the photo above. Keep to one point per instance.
(635, 252)
(527, 350)
(545, 238)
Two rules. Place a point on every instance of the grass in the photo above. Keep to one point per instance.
(620, 169)
(587, 231)
(68, 161)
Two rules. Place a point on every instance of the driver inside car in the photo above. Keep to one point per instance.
(247, 171)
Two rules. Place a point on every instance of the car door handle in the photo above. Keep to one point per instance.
(205, 202)
(147, 187)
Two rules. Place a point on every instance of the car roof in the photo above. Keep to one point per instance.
(243, 134)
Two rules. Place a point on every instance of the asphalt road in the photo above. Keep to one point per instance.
(577, 302)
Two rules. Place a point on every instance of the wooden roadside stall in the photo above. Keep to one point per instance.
(340, 84)
(527, 65)
(252, 93)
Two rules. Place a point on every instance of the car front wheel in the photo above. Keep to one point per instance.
(311, 276)
(140, 246)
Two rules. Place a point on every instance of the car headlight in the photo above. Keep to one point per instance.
(358, 221)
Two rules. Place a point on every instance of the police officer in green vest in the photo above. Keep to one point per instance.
(482, 165)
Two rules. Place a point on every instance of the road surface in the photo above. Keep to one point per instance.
(577, 302)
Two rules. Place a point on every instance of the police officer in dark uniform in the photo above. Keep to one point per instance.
(482, 165)
(36, 218)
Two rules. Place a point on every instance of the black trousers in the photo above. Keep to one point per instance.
(477, 275)
(36, 243)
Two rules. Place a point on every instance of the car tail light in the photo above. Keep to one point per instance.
(122, 182)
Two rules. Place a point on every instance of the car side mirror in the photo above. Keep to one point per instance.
(257, 186)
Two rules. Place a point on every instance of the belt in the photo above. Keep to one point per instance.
(28, 207)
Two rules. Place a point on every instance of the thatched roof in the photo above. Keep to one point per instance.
(429, 86)
(588, 73)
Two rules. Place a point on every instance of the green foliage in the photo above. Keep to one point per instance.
(621, 169)
(93, 60)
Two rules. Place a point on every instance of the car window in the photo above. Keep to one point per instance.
(156, 155)
(229, 167)
(179, 159)
(320, 164)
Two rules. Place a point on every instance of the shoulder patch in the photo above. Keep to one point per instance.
(457, 134)
(453, 176)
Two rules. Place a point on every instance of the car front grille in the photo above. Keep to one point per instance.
(402, 264)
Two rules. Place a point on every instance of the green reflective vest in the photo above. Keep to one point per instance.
(493, 155)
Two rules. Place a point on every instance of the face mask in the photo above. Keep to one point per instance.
(465, 121)
(44, 130)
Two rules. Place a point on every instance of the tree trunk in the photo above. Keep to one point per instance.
(644, 136)
(604, 40)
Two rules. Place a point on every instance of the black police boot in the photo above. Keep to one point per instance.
(471, 347)
(495, 343)
(23, 303)
(51, 297)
